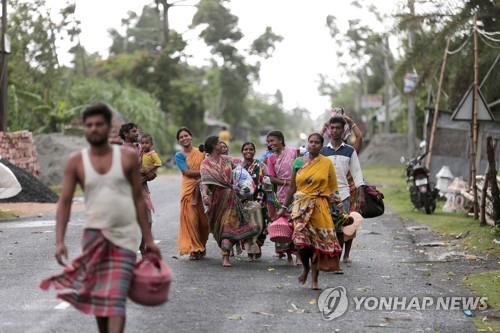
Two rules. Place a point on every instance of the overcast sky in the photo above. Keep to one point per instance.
(306, 51)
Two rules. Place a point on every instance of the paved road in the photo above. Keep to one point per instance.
(249, 297)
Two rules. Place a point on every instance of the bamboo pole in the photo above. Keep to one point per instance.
(436, 105)
(474, 123)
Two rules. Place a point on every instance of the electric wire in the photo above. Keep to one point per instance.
(460, 48)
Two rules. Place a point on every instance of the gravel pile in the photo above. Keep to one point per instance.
(53, 151)
(384, 149)
(33, 189)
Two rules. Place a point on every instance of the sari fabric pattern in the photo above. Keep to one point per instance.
(193, 228)
(226, 216)
(313, 224)
(280, 166)
(258, 170)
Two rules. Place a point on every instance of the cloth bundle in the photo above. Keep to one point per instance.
(243, 183)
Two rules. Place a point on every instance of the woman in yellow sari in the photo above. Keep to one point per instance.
(193, 226)
(314, 184)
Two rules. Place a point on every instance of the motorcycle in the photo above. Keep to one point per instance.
(423, 193)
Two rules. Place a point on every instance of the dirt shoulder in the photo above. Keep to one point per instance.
(17, 210)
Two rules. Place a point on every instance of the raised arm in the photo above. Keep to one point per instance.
(357, 133)
(63, 211)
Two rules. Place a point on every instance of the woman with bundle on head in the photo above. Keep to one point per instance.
(257, 170)
(313, 187)
(224, 209)
(279, 169)
(193, 225)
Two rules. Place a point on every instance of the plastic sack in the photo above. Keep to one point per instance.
(243, 183)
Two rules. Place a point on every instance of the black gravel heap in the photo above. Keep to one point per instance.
(33, 190)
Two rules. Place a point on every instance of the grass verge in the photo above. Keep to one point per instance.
(486, 284)
(393, 184)
(7, 215)
(58, 188)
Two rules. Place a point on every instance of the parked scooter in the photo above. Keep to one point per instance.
(423, 193)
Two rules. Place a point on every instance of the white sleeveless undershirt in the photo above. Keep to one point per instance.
(109, 205)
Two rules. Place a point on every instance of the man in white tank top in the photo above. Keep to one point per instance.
(97, 282)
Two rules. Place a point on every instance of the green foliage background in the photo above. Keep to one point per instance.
(146, 77)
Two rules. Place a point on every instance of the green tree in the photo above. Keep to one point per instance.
(35, 77)
(231, 74)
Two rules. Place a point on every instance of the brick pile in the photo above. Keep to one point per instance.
(19, 149)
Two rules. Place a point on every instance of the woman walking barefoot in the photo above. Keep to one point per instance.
(279, 168)
(193, 225)
(313, 185)
(257, 170)
(224, 210)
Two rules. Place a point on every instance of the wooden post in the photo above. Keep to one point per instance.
(412, 120)
(492, 179)
(436, 105)
(474, 123)
(387, 86)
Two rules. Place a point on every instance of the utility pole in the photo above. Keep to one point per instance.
(436, 105)
(387, 86)
(165, 23)
(474, 124)
(3, 70)
(411, 96)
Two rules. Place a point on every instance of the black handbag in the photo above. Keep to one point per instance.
(374, 202)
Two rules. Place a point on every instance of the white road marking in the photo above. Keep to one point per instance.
(28, 224)
(62, 306)
(33, 224)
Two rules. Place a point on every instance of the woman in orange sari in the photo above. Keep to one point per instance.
(313, 186)
(193, 226)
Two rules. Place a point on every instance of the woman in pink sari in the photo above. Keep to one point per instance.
(279, 169)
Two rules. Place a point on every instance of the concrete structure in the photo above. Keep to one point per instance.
(452, 144)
